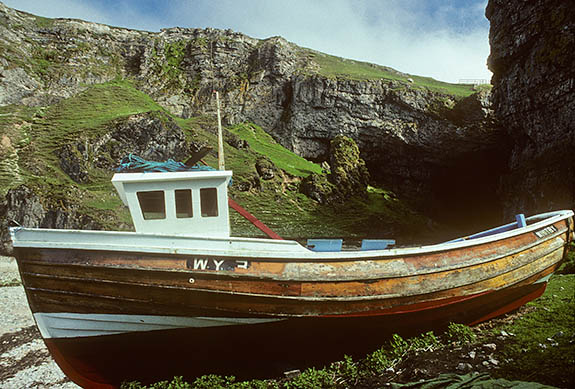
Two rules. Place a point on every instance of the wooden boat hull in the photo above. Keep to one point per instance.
(257, 350)
(143, 313)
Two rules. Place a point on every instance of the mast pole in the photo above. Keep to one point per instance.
(221, 165)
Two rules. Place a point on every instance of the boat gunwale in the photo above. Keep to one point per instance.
(298, 252)
(230, 275)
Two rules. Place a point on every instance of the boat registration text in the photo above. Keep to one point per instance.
(216, 264)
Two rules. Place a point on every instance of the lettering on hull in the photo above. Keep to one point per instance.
(217, 264)
(546, 231)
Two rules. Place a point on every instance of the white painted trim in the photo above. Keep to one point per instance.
(237, 247)
(544, 279)
(74, 325)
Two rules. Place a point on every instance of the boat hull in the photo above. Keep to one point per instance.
(175, 306)
(259, 350)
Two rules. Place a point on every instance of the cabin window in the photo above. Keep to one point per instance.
(152, 204)
(209, 202)
(183, 203)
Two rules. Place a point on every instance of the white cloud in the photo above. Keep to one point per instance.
(120, 13)
(441, 41)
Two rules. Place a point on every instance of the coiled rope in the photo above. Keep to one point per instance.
(133, 163)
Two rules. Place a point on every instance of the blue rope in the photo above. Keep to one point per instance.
(133, 163)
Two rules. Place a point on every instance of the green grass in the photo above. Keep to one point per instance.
(93, 108)
(84, 116)
(43, 22)
(262, 143)
(541, 348)
(14, 136)
(294, 215)
(332, 66)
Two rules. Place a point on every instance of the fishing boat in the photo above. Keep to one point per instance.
(181, 296)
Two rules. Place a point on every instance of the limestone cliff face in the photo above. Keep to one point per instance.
(424, 145)
(532, 57)
(438, 152)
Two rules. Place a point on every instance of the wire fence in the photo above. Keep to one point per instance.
(473, 81)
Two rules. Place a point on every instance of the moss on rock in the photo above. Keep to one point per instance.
(348, 175)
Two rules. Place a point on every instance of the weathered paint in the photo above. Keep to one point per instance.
(253, 281)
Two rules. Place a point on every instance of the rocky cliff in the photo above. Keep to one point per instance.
(419, 137)
(432, 143)
(532, 57)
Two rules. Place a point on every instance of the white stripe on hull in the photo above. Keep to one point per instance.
(544, 279)
(74, 325)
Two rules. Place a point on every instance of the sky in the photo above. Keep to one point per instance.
(444, 39)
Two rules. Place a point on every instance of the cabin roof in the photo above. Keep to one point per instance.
(155, 177)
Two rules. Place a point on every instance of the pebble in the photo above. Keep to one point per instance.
(464, 367)
(490, 346)
(292, 373)
(418, 371)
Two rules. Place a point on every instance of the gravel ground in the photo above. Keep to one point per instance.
(24, 360)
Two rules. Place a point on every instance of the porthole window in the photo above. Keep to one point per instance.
(184, 207)
(152, 204)
(209, 202)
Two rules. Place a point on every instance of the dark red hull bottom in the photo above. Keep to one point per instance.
(261, 350)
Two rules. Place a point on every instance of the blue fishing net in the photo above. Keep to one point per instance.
(133, 163)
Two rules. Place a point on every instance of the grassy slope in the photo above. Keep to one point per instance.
(36, 134)
(331, 66)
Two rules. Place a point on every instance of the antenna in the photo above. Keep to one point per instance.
(221, 165)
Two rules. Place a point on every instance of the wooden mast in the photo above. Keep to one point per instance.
(221, 165)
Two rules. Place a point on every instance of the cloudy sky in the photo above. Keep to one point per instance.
(443, 39)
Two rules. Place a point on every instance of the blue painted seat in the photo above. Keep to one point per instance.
(324, 244)
(521, 222)
(376, 244)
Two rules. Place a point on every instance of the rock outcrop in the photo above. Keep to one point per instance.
(442, 154)
(22, 206)
(532, 57)
(153, 136)
(347, 175)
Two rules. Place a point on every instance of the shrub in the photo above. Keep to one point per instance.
(459, 333)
